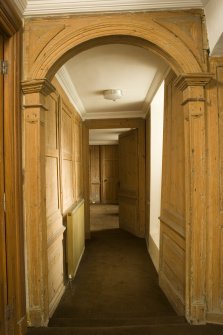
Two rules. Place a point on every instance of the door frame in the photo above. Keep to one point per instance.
(164, 34)
(136, 123)
(15, 309)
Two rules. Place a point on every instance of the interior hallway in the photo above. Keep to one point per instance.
(104, 217)
(116, 289)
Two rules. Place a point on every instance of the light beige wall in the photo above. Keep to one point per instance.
(157, 106)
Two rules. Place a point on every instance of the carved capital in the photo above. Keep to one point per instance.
(192, 79)
(42, 86)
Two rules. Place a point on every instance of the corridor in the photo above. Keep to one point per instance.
(116, 289)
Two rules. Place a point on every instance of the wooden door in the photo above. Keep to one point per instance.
(95, 175)
(3, 276)
(129, 183)
(109, 174)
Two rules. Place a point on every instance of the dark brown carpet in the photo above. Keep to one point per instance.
(116, 292)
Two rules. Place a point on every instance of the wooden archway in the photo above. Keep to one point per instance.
(178, 38)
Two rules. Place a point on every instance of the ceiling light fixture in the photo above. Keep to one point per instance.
(113, 94)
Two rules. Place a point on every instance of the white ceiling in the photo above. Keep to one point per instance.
(138, 72)
(58, 7)
(105, 136)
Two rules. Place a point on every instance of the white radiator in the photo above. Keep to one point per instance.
(75, 238)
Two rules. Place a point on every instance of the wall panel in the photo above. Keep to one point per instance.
(172, 230)
(67, 157)
(214, 120)
(55, 227)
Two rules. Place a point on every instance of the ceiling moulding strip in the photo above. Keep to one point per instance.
(44, 7)
(157, 81)
(21, 5)
(115, 115)
(64, 79)
(108, 142)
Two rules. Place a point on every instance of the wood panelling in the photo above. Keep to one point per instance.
(195, 194)
(78, 162)
(214, 121)
(95, 174)
(129, 181)
(12, 272)
(219, 73)
(172, 232)
(71, 152)
(49, 130)
(3, 257)
(54, 219)
(68, 166)
(173, 178)
(172, 267)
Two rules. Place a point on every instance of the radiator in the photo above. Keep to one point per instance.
(75, 238)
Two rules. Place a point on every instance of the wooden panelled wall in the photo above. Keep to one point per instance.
(63, 181)
(59, 187)
(172, 229)
(214, 122)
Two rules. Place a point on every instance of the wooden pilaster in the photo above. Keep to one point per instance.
(35, 93)
(195, 186)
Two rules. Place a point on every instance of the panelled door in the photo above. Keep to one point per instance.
(109, 174)
(129, 183)
(3, 275)
(95, 175)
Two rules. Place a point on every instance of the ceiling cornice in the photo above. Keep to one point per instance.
(57, 7)
(68, 86)
(157, 80)
(115, 115)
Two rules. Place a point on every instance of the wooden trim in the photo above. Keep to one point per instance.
(10, 25)
(173, 222)
(10, 21)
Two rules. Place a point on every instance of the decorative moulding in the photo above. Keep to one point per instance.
(192, 79)
(41, 7)
(115, 115)
(37, 86)
(68, 86)
(21, 5)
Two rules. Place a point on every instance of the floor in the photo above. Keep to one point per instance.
(116, 290)
(104, 217)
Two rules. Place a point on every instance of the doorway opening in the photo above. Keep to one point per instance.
(105, 176)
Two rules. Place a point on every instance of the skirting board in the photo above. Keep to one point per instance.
(153, 252)
(215, 318)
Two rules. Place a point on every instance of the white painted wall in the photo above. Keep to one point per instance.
(157, 111)
(214, 20)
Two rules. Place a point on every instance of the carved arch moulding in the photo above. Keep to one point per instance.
(177, 37)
